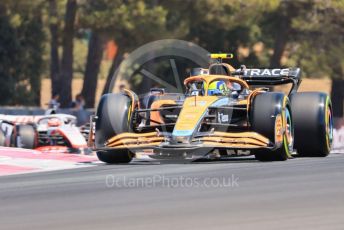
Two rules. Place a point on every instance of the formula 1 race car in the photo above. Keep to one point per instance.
(223, 111)
(48, 133)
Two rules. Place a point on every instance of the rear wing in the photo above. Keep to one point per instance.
(270, 77)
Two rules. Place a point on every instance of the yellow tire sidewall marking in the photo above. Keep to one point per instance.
(284, 119)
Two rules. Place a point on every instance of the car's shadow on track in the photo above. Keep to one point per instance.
(228, 160)
(199, 161)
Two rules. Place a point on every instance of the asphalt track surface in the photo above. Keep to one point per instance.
(301, 193)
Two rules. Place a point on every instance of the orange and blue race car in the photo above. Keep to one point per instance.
(224, 111)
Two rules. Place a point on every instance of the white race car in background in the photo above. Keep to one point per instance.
(55, 132)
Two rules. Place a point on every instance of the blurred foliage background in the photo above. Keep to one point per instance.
(87, 39)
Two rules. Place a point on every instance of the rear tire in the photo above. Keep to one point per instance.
(25, 137)
(265, 110)
(312, 114)
(113, 115)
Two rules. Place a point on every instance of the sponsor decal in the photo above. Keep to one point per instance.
(171, 116)
(223, 118)
(266, 72)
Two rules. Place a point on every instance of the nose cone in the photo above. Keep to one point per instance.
(190, 117)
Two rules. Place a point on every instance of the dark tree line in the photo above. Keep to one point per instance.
(61, 71)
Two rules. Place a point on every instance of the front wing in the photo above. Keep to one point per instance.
(156, 140)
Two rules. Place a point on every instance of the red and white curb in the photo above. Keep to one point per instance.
(15, 161)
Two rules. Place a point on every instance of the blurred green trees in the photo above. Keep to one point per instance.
(21, 52)
(263, 33)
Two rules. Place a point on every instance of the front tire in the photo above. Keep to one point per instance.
(312, 114)
(115, 156)
(113, 116)
(269, 109)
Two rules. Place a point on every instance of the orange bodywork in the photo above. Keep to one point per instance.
(155, 115)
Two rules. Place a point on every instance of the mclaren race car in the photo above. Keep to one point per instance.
(48, 133)
(223, 111)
